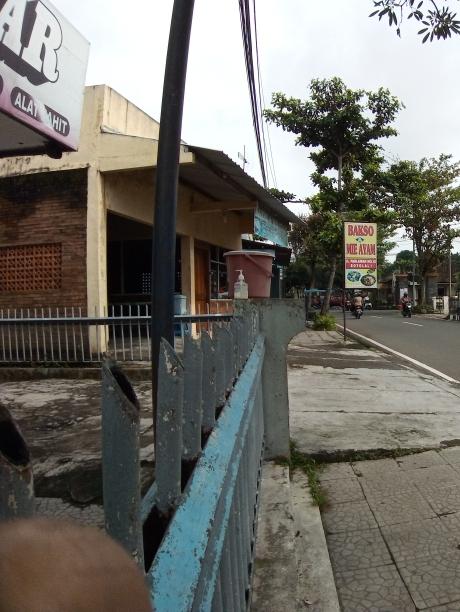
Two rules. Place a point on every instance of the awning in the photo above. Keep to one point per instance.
(220, 178)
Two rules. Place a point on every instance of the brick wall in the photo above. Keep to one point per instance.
(47, 208)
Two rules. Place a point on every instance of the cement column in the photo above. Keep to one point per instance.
(96, 255)
(280, 320)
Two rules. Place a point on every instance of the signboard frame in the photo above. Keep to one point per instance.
(360, 255)
(43, 61)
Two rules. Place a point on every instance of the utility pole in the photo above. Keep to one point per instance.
(167, 177)
(413, 271)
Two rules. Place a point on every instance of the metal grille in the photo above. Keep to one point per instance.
(33, 267)
(64, 335)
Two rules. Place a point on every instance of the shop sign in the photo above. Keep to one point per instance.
(360, 255)
(43, 63)
(270, 228)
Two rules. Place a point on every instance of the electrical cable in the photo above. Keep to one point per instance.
(245, 19)
(268, 157)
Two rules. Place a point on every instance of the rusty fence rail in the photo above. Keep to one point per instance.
(69, 335)
(202, 507)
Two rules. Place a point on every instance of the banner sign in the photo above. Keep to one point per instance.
(43, 63)
(360, 255)
(270, 228)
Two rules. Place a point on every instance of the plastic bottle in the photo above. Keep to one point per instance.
(240, 287)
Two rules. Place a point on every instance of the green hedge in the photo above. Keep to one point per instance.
(324, 322)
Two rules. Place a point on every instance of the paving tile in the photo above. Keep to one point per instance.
(380, 467)
(349, 516)
(336, 471)
(432, 580)
(399, 507)
(387, 485)
(434, 476)
(451, 524)
(418, 539)
(443, 499)
(420, 460)
(357, 550)
(345, 490)
(377, 589)
(450, 607)
(451, 455)
(59, 509)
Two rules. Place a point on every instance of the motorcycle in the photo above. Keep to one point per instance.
(407, 310)
(357, 312)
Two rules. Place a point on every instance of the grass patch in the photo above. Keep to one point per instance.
(311, 468)
(353, 456)
(324, 322)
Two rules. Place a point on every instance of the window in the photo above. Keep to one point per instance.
(219, 287)
(33, 267)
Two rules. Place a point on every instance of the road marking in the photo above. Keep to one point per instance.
(416, 324)
(387, 349)
(374, 317)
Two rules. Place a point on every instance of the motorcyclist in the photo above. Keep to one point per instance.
(405, 300)
(357, 301)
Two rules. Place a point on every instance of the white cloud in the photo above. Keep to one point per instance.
(298, 40)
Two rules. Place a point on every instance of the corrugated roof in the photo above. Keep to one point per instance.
(220, 178)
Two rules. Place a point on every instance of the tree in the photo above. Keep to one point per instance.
(437, 21)
(342, 126)
(426, 200)
(282, 196)
(404, 261)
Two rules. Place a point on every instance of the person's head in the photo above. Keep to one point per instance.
(405, 295)
(61, 567)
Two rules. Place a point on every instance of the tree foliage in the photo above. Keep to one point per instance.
(282, 196)
(426, 200)
(439, 21)
(342, 127)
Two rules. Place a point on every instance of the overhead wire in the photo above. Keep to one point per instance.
(245, 19)
(268, 156)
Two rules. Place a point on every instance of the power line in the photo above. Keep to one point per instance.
(265, 129)
(245, 19)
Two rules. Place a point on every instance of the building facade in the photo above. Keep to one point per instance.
(76, 232)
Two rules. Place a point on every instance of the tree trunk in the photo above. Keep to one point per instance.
(327, 295)
(312, 285)
(423, 290)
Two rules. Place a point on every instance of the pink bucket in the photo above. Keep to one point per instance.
(257, 271)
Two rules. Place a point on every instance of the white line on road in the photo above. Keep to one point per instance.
(416, 324)
(374, 317)
(387, 349)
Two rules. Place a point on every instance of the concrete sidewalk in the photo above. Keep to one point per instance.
(392, 525)
(348, 398)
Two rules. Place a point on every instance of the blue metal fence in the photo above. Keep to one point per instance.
(209, 432)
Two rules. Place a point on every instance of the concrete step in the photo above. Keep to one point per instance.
(275, 570)
(316, 590)
(292, 567)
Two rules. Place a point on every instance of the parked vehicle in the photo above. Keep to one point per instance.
(367, 303)
(407, 310)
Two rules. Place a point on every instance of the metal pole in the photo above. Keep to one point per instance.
(164, 228)
(450, 272)
(413, 271)
(344, 315)
(16, 479)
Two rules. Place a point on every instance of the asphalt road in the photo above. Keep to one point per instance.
(434, 342)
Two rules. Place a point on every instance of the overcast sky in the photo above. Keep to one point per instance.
(298, 40)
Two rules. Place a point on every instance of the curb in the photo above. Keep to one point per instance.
(386, 349)
(8, 374)
(316, 589)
